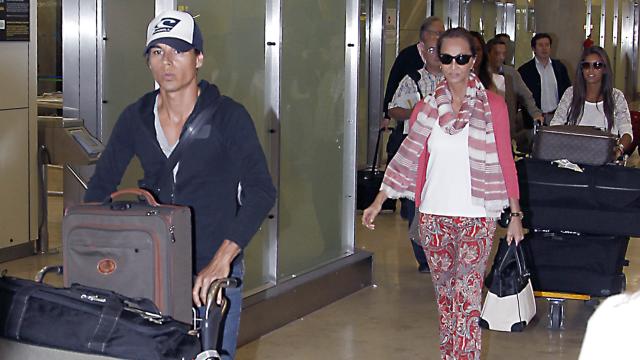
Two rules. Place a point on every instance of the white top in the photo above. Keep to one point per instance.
(612, 331)
(593, 113)
(407, 95)
(447, 190)
(498, 81)
(549, 96)
(162, 138)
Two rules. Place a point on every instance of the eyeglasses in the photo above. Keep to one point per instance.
(596, 65)
(432, 50)
(461, 59)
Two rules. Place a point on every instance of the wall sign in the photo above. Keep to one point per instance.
(14, 20)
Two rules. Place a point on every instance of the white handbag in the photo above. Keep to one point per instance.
(510, 304)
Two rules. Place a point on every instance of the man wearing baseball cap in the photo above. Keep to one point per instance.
(214, 141)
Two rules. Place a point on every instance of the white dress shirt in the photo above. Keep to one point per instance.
(549, 96)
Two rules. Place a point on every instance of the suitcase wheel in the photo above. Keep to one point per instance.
(556, 314)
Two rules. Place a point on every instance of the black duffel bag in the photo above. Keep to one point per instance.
(89, 320)
(576, 263)
(543, 183)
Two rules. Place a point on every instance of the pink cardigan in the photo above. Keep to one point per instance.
(500, 118)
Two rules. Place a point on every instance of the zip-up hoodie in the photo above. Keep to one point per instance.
(224, 153)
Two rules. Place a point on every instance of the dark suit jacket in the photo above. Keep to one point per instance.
(531, 77)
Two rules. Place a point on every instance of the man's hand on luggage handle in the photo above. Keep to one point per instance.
(373, 210)
(219, 267)
(539, 119)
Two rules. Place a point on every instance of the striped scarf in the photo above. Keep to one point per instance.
(487, 182)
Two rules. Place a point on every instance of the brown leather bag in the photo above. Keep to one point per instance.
(584, 145)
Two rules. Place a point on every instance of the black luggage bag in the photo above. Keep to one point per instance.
(369, 181)
(89, 320)
(600, 200)
(576, 263)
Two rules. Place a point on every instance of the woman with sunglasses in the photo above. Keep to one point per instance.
(593, 101)
(457, 165)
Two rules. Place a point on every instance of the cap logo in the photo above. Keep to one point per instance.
(165, 25)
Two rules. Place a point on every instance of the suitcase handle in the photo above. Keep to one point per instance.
(215, 312)
(134, 191)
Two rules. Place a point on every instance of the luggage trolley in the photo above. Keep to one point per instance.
(578, 209)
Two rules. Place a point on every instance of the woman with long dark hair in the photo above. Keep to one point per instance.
(593, 101)
(480, 67)
(457, 164)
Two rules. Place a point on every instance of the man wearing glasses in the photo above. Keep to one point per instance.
(413, 87)
(546, 78)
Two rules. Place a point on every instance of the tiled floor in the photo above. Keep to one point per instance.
(395, 319)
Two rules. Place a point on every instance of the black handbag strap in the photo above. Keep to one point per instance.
(515, 251)
(415, 76)
(192, 129)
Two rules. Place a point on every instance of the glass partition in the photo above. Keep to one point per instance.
(233, 33)
(312, 116)
(524, 32)
(476, 22)
(125, 75)
(412, 14)
(489, 18)
(363, 88)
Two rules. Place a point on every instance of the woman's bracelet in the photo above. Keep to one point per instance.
(518, 214)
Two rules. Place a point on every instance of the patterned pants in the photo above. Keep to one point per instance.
(457, 250)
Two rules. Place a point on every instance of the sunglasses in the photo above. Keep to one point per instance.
(597, 65)
(461, 59)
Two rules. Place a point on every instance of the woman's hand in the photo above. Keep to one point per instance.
(514, 230)
(369, 215)
(373, 210)
(618, 153)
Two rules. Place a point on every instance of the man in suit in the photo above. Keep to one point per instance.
(515, 92)
(546, 78)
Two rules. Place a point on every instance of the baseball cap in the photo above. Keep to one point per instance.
(176, 29)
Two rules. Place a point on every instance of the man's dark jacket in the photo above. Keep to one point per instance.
(224, 153)
(531, 77)
(408, 61)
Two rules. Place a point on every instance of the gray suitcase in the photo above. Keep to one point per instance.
(135, 248)
(579, 144)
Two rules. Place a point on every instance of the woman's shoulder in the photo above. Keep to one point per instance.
(617, 92)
